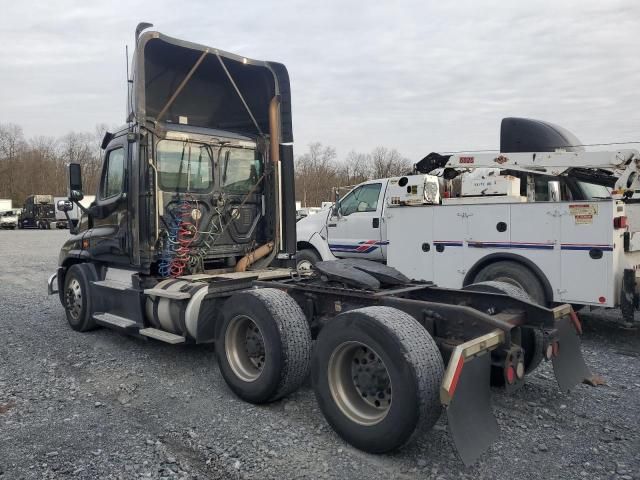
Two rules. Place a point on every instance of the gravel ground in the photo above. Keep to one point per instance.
(100, 405)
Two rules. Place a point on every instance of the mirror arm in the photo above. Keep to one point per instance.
(73, 230)
(81, 207)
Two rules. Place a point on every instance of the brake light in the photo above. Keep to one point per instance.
(620, 222)
(511, 375)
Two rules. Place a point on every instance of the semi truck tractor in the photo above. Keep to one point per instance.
(192, 239)
(38, 212)
(558, 222)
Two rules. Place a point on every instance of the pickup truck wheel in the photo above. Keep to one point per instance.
(532, 338)
(514, 274)
(76, 298)
(263, 345)
(305, 259)
(376, 373)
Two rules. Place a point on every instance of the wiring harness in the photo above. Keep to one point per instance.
(181, 234)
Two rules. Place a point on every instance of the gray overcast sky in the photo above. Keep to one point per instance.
(417, 76)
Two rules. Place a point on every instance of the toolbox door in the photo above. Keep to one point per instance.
(488, 231)
(410, 235)
(587, 253)
(449, 232)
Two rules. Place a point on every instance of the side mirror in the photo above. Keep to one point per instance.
(75, 182)
(335, 210)
(64, 206)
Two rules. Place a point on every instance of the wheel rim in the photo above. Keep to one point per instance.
(244, 345)
(73, 298)
(359, 382)
(510, 281)
(304, 265)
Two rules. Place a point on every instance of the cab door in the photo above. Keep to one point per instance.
(355, 229)
(108, 236)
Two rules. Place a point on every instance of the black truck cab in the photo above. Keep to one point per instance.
(202, 173)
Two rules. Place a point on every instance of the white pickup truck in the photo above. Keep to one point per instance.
(565, 240)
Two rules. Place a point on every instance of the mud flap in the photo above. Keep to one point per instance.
(569, 366)
(466, 393)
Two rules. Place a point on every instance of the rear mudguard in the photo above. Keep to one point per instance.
(569, 366)
(466, 392)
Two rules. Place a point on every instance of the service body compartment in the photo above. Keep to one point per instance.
(413, 249)
(573, 245)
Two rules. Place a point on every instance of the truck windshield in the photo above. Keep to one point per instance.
(184, 166)
(240, 169)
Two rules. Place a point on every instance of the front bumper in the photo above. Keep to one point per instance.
(52, 284)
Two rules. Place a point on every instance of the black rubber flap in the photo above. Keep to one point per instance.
(347, 273)
(569, 366)
(471, 422)
(385, 274)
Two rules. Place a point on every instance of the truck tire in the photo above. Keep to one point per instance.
(77, 300)
(532, 338)
(515, 274)
(305, 259)
(263, 345)
(363, 354)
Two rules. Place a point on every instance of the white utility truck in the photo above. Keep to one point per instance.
(562, 224)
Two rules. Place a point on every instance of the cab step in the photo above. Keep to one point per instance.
(161, 335)
(113, 284)
(116, 321)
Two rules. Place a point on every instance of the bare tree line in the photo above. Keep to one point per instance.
(319, 172)
(39, 165)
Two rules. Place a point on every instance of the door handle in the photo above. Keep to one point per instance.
(376, 223)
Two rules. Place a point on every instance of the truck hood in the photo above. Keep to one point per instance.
(312, 224)
(210, 96)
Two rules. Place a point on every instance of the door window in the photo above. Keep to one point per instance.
(112, 182)
(362, 199)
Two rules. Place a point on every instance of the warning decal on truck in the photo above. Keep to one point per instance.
(584, 219)
(583, 209)
(583, 212)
